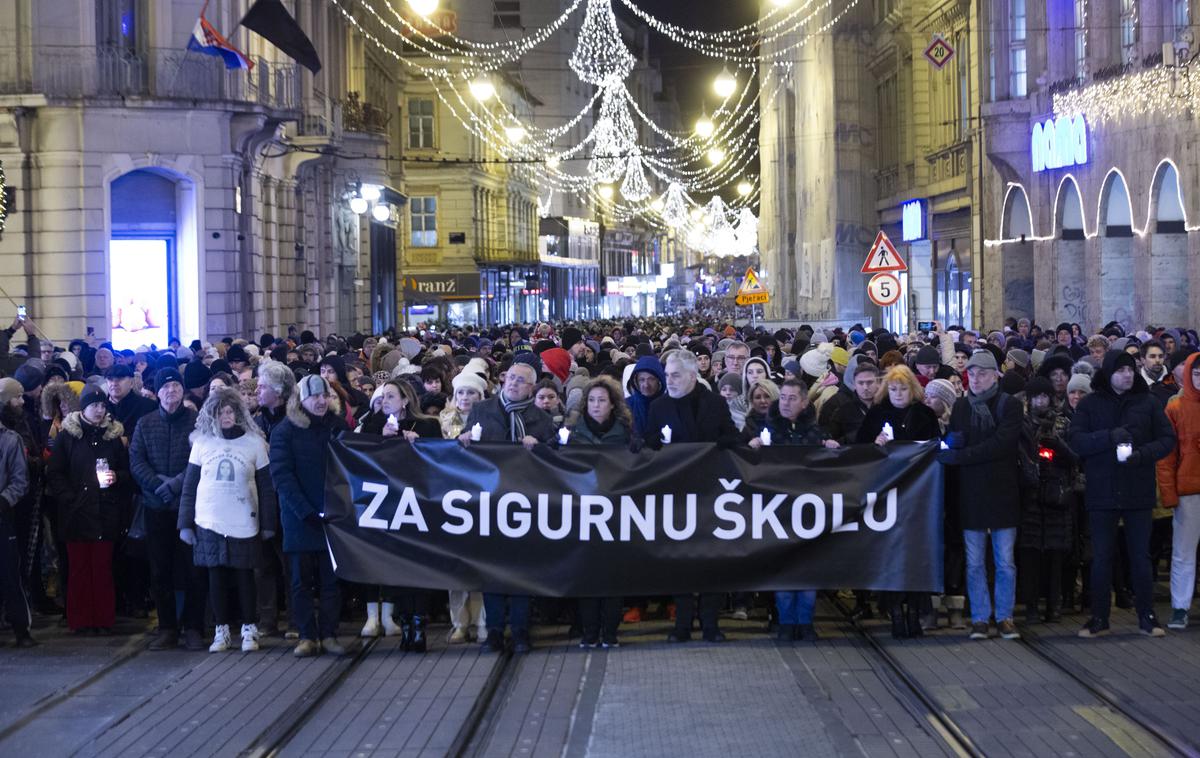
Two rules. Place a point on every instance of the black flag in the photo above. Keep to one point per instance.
(271, 20)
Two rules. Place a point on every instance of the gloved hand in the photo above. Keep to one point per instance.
(956, 440)
(268, 535)
(188, 536)
(163, 492)
(1134, 458)
(1120, 436)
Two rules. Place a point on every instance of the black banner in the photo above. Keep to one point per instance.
(594, 521)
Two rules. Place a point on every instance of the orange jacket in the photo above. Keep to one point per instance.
(1179, 472)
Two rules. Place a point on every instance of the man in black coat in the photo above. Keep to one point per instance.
(982, 439)
(158, 459)
(126, 406)
(1121, 482)
(694, 414)
(509, 416)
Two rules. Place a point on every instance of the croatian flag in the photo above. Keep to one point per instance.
(205, 39)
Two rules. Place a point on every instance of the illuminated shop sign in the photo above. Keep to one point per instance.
(1059, 142)
(912, 220)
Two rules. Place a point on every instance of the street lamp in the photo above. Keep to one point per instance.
(423, 7)
(704, 127)
(657, 205)
(482, 89)
(358, 205)
(515, 133)
(780, 3)
(553, 162)
(371, 192)
(381, 212)
(724, 85)
(606, 191)
(744, 188)
(716, 155)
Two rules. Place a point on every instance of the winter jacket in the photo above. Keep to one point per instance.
(917, 422)
(1048, 506)
(582, 434)
(699, 416)
(130, 410)
(268, 419)
(987, 488)
(844, 425)
(803, 431)
(14, 480)
(1179, 471)
(639, 404)
(86, 512)
(298, 450)
(490, 415)
(1112, 485)
(160, 448)
(427, 428)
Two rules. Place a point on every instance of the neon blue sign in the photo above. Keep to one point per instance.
(912, 220)
(1059, 142)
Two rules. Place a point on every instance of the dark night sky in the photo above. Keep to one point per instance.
(692, 73)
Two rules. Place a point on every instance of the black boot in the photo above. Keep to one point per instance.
(899, 623)
(787, 633)
(406, 633)
(418, 634)
(912, 619)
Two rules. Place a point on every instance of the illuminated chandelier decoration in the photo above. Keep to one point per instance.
(635, 188)
(746, 232)
(601, 56)
(675, 206)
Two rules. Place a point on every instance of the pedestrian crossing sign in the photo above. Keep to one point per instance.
(883, 257)
(752, 290)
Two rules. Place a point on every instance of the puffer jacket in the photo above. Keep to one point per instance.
(1112, 485)
(298, 450)
(160, 447)
(88, 513)
(1048, 507)
(1179, 472)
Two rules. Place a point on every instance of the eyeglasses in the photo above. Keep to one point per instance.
(517, 380)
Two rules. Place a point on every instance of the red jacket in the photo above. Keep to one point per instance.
(1179, 472)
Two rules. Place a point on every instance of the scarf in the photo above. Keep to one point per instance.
(599, 430)
(982, 421)
(516, 424)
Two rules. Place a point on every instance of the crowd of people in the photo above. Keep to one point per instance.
(188, 480)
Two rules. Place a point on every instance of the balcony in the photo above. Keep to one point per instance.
(172, 74)
(359, 116)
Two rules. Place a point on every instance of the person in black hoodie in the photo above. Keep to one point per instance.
(982, 439)
(694, 414)
(1120, 412)
(899, 405)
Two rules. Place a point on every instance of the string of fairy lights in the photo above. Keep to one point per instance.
(656, 179)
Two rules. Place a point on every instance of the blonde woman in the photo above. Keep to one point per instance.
(466, 608)
(228, 508)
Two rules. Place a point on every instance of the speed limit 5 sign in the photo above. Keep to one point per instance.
(884, 289)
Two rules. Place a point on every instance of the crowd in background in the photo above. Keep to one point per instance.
(188, 480)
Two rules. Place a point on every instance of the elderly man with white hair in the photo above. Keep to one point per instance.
(693, 414)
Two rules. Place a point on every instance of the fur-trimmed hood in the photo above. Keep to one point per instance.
(73, 425)
(300, 418)
(53, 396)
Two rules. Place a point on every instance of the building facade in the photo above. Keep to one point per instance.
(1092, 192)
(159, 194)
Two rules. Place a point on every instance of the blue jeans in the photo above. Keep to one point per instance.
(314, 570)
(796, 607)
(518, 612)
(1003, 541)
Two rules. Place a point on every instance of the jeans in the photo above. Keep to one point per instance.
(518, 612)
(313, 570)
(1138, 524)
(267, 579)
(796, 607)
(599, 617)
(1183, 551)
(172, 570)
(1003, 540)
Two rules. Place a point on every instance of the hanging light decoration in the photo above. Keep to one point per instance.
(725, 84)
(516, 133)
(704, 127)
(746, 232)
(482, 89)
(715, 155)
(423, 8)
(601, 55)
(744, 188)
(675, 206)
(635, 188)
(614, 136)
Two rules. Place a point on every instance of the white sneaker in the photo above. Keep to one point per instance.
(458, 636)
(249, 638)
(221, 640)
(372, 628)
(739, 614)
(390, 627)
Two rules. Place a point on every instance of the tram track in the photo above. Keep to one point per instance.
(957, 738)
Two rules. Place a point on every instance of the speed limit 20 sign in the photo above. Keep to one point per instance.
(884, 289)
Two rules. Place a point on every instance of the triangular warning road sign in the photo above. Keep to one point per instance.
(883, 257)
(751, 285)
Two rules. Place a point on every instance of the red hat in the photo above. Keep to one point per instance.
(558, 362)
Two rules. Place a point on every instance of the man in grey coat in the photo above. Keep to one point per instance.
(13, 483)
